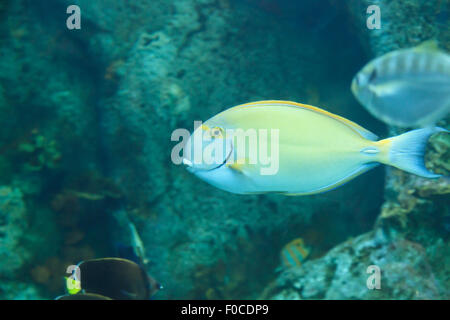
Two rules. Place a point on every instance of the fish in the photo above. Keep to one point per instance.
(138, 245)
(133, 251)
(294, 253)
(316, 150)
(82, 296)
(406, 87)
(115, 278)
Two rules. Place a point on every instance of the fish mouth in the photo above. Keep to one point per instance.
(191, 168)
(187, 162)
(226, 159)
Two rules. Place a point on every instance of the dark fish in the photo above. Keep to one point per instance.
(117, 278)
(83, 296)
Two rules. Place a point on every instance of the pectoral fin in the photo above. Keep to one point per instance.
(238, 165)
(429, 45)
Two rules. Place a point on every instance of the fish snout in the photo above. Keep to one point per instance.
(187, 162)
(354, 85)
(206, 153)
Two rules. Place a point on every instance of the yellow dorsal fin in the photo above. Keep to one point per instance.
(360, 130)
(428, 45)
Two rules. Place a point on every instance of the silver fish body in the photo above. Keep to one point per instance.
(406, 88)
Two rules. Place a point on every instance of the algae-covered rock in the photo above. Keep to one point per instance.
(47, 84)
(409, 270)
(404, 23)
(13, 223)
(16, 290)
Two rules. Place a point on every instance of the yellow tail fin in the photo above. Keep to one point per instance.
(407, 151)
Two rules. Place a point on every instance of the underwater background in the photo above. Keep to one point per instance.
(86, 119)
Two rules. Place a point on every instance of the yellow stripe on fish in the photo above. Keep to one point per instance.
(314, 150)
(294, 253)
(363, 132)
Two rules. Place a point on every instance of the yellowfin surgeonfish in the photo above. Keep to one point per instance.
(294, 253)
(407, 87)
(311, 150)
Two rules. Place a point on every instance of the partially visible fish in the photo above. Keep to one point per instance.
(115, 278)
(294, 253)
(407, 87)
(82, 296)
(138, 244)
(134, 249)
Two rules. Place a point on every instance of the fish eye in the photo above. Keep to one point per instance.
(216, 132)
(373, 75)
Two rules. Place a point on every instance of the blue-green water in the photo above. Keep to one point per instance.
(85, 149)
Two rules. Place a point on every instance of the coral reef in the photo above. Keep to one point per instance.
(13, 224)
(40, 153)
(404, 23)
(86, 119)
(20, 243)
(408, 271)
